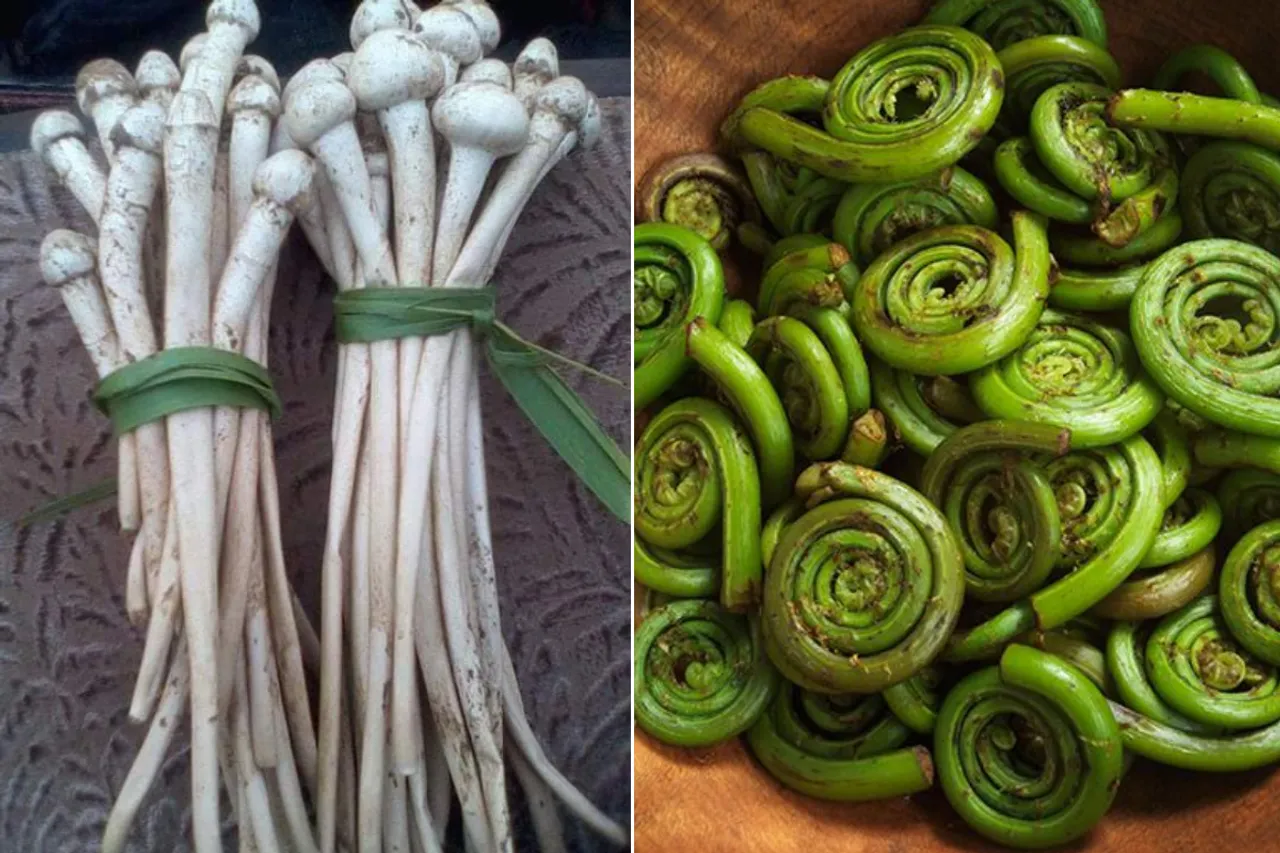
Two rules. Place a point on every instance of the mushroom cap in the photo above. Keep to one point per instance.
(252, 64)
(489, 70)
(591, 125)
(342, 62)
(394, 66)
(450, 30)
(192, 109)
(156, 70)
(538, 60)
(189, 50)
(373, 16)
(240, 13)
(485, 21)
(253, 93)
(101, 79)
(140, 127)
(313, 110)
(52, 125)
(482, 115)
(286, 178)
(316, 69)
(564, 97)
(67, 255)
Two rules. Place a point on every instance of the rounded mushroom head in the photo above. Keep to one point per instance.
(565, 98)
(482, 115)
(490, 70)
(191, 109)
(189, 50)
(313, 110)
(66, 256)
(140, 127)
(253, 65)
(254, 94)
(537, 64)
(375, 16)
(316, 69)
(394, 66)
(156, 70)
(449, 30)
(286, 179)
(342, 62)
(102, 79)
(52, 125)
(238, 13)
(484, 19)
(591, 125)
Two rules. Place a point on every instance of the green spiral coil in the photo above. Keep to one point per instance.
(864, 587)
(795, 200)
(1073, 372)
(695, 474)
(701, 676)
(808, 274)
(923, 410)
(676, 276)
(1248, 498)
(904, 107)
(1007, 22)
(954, 299)
(872, 217)
(1028, 752)
(1249, 592)
(1204, 320)
(1033, 65)
(1232, 190)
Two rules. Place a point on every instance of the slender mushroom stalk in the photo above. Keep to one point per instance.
(105, 90)
(232, 25)
(483, 121)
(450, 31)
(58, 137)
(373, 16)
(189, 51)
(190, 152)
(536, 66)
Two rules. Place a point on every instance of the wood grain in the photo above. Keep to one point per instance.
(693, 61)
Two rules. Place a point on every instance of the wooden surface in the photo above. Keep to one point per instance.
(693, 61)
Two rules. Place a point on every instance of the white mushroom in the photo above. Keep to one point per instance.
(483, 122)
(252, 65)
(190, 49)
(452, 32)
(536, 66)
(488, 70)
(342, 62)
(58, 137)
(104, 90)
(483, 19)
(190, 149)
(316, 69)
(157, 78)
(373, 16)
(232, 25)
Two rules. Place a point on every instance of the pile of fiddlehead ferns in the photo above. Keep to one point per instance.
(981, 485)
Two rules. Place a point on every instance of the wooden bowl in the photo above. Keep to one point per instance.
(694, 60)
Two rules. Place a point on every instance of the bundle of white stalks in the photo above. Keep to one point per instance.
(427, 154)
(192, 208)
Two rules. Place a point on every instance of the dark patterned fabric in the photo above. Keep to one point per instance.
(67, 653)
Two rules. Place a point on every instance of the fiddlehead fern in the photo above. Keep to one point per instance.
(701, 674)
(741, 381)
(838, 747)
(675, 573)
(1169, 440)
(1152, 594)
(864, 587)
(1127, 644)
(737, 320)
(1183, 112)
(1095, 290)
(1023, 177)
(954, 299)
(1191, 523)
(696, 473)
(922, 409)
(1000, 503)
(677, 277)
(1072, 372)
(1198, 669)
(1249, 592)
(1007, 22)
(1028, 752)
(1204, 320)
(1232, 190)
(796, 200)
(915, 701)
(904, 107)
(1083, 250)
(1206, 753)
(1248, 498)
(1033, 65)
(869, 441)
(1108, 524)
(701, 192)
(813, 274)
(873, 217)
(1215, 63)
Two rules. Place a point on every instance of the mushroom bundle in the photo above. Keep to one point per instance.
(171, 301)
(429, 152)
